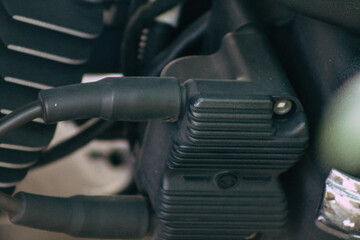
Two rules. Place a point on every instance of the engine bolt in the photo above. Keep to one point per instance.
(282, 107)
(226, 180)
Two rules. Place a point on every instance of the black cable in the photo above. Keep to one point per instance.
(72, 144)
(113, 99)
(8, 203)
(134, 4)
(136, 24)
(185, 41)
(20, 117)
(155, 41)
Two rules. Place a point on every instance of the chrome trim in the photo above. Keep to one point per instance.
(339, 213)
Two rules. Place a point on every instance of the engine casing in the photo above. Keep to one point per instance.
(215, 173)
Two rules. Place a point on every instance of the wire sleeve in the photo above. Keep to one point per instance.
(85, 216)
(186, 40)
(20, 117)
(8, 203)
(114, 99)
(72, 144)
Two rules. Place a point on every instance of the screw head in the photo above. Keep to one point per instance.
(282, 107)
(226, 180)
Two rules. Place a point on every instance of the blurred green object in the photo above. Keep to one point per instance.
(339, 134)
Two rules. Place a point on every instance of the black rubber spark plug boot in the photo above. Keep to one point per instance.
(128, 99)
(84, 216)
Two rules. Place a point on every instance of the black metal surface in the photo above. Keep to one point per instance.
(185, 41)
(216, 174)
(32, 40)
(83, 20)
(319, 58)
(227, 16)
(40, 42)
(342, 13)
(36, 70)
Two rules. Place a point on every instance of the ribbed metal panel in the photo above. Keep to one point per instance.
(226, 134)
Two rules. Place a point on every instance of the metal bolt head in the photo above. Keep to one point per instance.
(226, 180)
(282, 107)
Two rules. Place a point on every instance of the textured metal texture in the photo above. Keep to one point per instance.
(83, 19)
(37, 53)
(218, 168)
(222, 179)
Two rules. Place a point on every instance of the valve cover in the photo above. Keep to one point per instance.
(215, 173)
